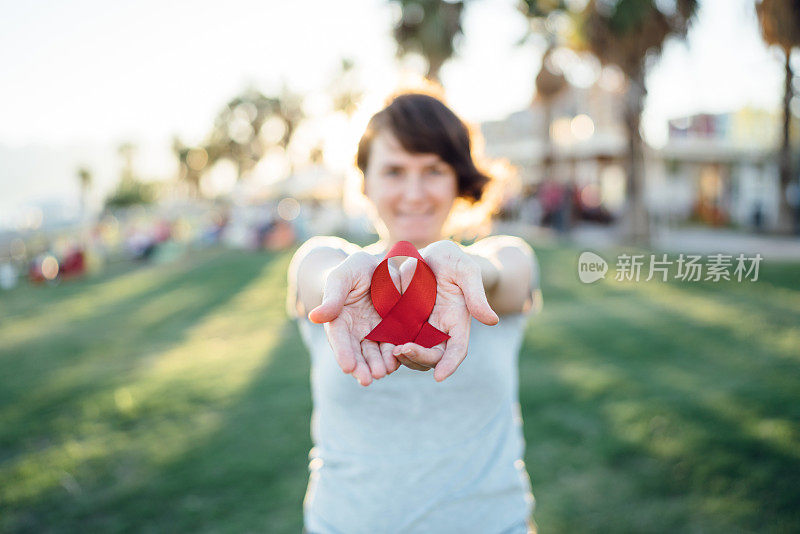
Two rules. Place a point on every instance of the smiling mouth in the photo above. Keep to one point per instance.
(423, 214)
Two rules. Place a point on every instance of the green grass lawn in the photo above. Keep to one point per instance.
(176, 398)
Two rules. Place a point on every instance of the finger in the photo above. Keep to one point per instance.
(411, 365)
(455, 351)
(475, 297)
(337, 286)
(339, 339)
(372, 355)
(361, 372)
(389, 360)
(421, 355)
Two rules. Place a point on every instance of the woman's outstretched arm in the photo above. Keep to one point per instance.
(510, 273)
(329, 281)
(308, 270)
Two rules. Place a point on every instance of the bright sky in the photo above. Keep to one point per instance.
(80, 77)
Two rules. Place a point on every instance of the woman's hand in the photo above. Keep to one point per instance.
(349, 315)
(460, 296)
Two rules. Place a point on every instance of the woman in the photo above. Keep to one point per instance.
(414, 452)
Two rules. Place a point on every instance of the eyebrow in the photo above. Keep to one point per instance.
(435, 163)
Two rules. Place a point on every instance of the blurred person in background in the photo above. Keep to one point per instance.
(414, 452)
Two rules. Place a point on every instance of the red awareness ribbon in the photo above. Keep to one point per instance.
(405, 316)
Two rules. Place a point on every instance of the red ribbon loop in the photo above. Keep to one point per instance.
(405, 316)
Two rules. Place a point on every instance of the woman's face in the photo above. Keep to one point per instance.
(412, 193)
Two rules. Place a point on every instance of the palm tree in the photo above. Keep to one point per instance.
(429, 27)
(235, 135)
(346, 90)
(549, 84)
(130, 190)
(625, 33)
(126, 151)
(85, 183)
(780, 25)
(189, 171)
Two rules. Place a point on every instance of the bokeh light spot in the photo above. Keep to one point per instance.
(288, 209)
(49, 267)
(197, 159)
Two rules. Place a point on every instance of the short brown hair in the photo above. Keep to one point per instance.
(423, 124)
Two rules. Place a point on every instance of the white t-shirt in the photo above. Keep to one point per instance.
(412, 455)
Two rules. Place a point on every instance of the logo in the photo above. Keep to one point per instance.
(591, 267)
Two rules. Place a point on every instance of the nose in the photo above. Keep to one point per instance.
(414, 190)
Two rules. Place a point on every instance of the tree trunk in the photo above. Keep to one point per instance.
(547, 153)
(635, 224)
(84, 203)
(785, 210)
(434, 66)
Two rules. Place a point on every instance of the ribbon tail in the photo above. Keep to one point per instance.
(429, 336)
(390, 330)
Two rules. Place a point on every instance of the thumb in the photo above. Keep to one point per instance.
(337, 287)
(476, 301)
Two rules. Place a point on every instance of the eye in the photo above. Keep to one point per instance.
(392, 171)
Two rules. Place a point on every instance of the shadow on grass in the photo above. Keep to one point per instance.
(636, 421)
(84, 327)
(247, 475)
(57, 371)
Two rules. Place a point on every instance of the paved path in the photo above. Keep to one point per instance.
(698, 240)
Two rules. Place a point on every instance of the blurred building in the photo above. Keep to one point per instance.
(714, 169)
(584, 146)
(720, 169)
